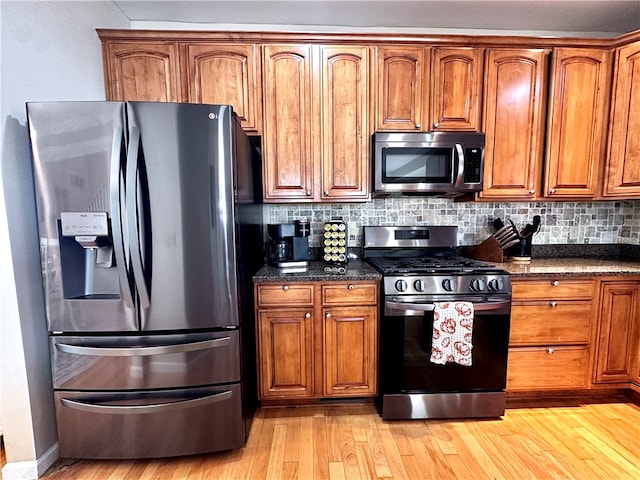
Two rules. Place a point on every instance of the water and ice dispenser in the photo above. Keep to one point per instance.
(86, 256)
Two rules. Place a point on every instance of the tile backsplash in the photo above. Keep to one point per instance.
(561, 222)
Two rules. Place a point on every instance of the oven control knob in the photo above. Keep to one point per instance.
(401, 285)
(477, 285)
(496, 285)
(420, 285)
(449, 284)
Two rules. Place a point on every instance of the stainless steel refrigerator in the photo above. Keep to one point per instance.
(150, 224)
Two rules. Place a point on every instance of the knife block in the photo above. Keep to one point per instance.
(489, 251)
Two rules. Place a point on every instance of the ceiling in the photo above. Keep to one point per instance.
(581, 17)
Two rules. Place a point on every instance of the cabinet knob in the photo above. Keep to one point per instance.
(553, 304)
(326, 193)
(307, 315)
(532, 192)
(351, 287)
(549, 351)
(552, 191)
(418, 125)
(285, 288)
(328, 315)
(436, 125)
(555, 283)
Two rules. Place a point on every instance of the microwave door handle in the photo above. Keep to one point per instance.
(460, 169)
(428, 307)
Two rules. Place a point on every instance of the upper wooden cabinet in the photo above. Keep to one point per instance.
(456, 83)
(578, 106)
(514, 102)
(424, 89)
(316, 123)
(345, 135)
(288, 155)
(142, 71)
(402, 93)
(227, 74)
(623, 163)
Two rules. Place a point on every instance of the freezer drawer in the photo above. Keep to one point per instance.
(145, 362)
(121, 425)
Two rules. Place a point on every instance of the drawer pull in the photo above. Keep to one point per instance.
(553, 304)
(549, 351)
(285, 288)
(555, 283)
(307, 315)
(351, 287)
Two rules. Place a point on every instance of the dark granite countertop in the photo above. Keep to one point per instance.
(356, 270)
(573, 267)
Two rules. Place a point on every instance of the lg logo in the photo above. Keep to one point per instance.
(214, 116)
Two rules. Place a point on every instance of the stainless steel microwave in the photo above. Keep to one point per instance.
(432, 163)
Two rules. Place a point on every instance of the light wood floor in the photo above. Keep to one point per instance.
(571, 441)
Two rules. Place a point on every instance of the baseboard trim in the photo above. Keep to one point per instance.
(31, 470)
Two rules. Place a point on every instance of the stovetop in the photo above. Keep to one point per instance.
(430, 265)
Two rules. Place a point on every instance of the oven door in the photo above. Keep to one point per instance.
(406, 333)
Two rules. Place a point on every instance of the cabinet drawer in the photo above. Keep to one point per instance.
(539, 368)
(552, 289)
(350, 294)
(284, 294)
(550, 323)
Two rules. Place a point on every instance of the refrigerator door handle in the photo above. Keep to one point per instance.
(143, 351)
(132, 216)
(139, 409)
(116, 219)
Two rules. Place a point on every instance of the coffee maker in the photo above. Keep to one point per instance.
(288, 245)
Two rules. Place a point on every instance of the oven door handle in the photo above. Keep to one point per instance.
(428, 307)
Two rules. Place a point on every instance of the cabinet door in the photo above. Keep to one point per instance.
(345, 126)
(402, 93)
(350, 351)
(514, 95)
(578, 104)
(618, 333)
(285, 353)
(227, 75)
(142, 72)
(455, 88)
(287, 152)
(623, 166)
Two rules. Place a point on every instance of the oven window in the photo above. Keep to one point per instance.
(417, 165)
(405, 352)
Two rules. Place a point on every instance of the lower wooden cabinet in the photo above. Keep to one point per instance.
(551, 329)
(317, 339)
(618, 355)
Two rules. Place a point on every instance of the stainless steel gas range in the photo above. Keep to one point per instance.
(444, 328)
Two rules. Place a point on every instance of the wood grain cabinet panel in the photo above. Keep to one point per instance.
(456, 83)
(226, 74)
(623, 161)
(514, 114)
(327, 348)
(550, 341)
(619, 332)
(142, 71)
(548, 368)
(551, 322)
(345, 123)
(350, 351)
(578, 106)
(402, 94)
(286, 353)
(288, 155)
